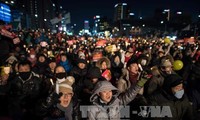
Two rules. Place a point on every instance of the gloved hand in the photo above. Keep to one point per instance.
(53, 99)
(143, 79)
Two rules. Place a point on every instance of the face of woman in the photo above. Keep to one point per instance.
(65, 99)
(104, 65)
(106, 95)
(63, 58)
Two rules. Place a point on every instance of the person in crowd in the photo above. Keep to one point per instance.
(79, 73)
(172, 95)
(159, 73)
(116, 68)
(41, 65)
(32, 57)
(129, 76)
(92, 77)
(24, 91)
(106, 99)
(65, 62)
(105, 66)
(192, 85)
(60, 104)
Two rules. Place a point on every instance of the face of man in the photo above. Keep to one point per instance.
(167, 69)
(177, 88)
(24, 68)
(59, 69)
(24, 71)
(133, 69)
(65, 99)
(81, 65)
(106, 95)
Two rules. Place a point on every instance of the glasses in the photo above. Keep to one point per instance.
(67, 95)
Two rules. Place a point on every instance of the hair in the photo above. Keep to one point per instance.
(23, 63)
(57, 67)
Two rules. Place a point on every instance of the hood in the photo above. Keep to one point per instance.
(102, 86)
(99, 62)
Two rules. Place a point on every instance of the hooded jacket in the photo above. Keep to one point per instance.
(99, 62)
(180, 109)
(110, 111)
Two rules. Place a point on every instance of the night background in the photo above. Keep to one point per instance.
(93, 17)
(86, 9)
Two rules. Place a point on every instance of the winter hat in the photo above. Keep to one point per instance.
(81, 55)
(52, 59)
(102, 86)
(133, 59)
(143, 59)
(172, 80)
(66, 85)
(12, 59)
(81, 61)
(165, 63)
(94, 72)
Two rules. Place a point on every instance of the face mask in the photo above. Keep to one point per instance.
(32, 56)
(24, 75)
(60, 75)
(179, 94)
(143, 62)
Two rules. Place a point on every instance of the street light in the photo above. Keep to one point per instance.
(168, 13)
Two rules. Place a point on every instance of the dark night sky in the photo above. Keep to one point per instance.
(85, 9)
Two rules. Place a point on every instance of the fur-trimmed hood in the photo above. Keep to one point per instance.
(99, 62)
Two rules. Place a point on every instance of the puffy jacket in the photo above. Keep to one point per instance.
(110, 111)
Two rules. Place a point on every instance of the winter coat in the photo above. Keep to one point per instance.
(156, 81)
(57, 112)
(110, 111)
(124, 83)
(180, 109)
(67, 65)
(23, 95)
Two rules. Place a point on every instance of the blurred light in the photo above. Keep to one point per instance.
(74, 24)
(116, 5)
(12, 2)
(6, 2)
(53, 4)
(199, 16)
(45, 20)
(56, 25)
(36, 15)
(166, 10)
(140, 18)
(124, 28)
(133, 27)
(131, 14)
(179, 13)
(124, 3)
(97, 16)
(23, 5)
(161, 22)
(143, 25)
(60, 7)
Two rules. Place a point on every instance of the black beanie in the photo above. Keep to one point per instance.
(94, 72)
(81, 61)
(172, 80)
(132, 60)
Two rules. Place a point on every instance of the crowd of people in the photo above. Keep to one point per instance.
(49, 76)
